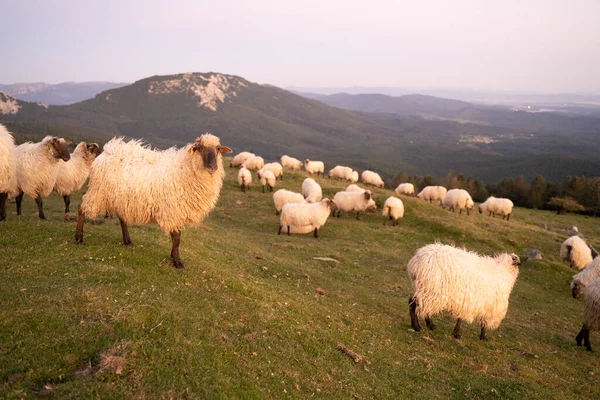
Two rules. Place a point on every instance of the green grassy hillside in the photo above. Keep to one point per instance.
(253, 315)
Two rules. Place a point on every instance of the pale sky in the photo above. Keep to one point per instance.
(523, 45)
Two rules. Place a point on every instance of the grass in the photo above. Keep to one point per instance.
(245, 318)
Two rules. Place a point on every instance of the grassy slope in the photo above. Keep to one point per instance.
(244, 320)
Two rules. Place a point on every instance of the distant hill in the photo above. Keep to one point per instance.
(58, 94)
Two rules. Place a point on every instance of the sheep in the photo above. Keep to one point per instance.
(458, 198)
(37, 165)
(468, 286)
(372, 178)
(71, 175)
(274, 167)
(244, 179)
(240, 159)
(575, 251)
(255, 162)
(355, 188)
(8, 170)
(432, 193)
(283, 197)
(311, 191)
(340, 172)
(585, 277)
(496, 205)
(305, 218)
(267, 179)
(314, 167)
(173, 188)
(591, 314)
(407, 189)
(352, 201)
(354, 177)
(291, 162)
(392, 208)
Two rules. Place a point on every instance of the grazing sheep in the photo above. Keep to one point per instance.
(240, 159)
(305, 218)
(591, 314)
(586, 276)
(458, 198)
(468, 286)
(354, 188)
(311, 191)
(173, 188)
(255, 162)
(291, 162)
(274, 167)
(352, 202)
(432, 193)
(340, 172)
(392, 208)
(354, 177)
(496, 205)
(8, 169)
(37, 165)
(244, 179)
(72, 174)
(314, 167)
(372, 178)
(283, 197)
(576, 252)
(407, 189)
(267, 178)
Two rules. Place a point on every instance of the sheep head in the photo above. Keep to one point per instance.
(59, 148)
(331, 205)
(576, 289)
(93, 149)
(516, 261)
(209, 148)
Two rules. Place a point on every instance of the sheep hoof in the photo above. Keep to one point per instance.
(178, 264)
(457, 336)
(589, 348)
(78, 239)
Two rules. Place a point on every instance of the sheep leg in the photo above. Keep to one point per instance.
(40, 203)
(277, 212)
(289, 230)
(482, 334)
(263, 189)
(460, 212)
(279, 231)
(67, 199)
(175, 240)
(430, 323)
(414, 320)
(507, 217)
(3, 197)
(456, 331)
(19, 199)
(579, 336)
(357, 214)
(468, 213)
(395, 223)
(79, 229)
(316, 233)
(125, 231)
(243, 187)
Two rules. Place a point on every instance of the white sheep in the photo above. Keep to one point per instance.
(173, 188)
(586, 276)
(432, 193)
(458, 198)
(354, 177)
(8, 169)
(497, 205)
(72, 174)
(283, 197)
(311, 191)
(314, 167)
(407, 189)
(392, 208)
(244, 179)
(353, 202)
(341, 172)
(240, 159)
(255, 162)
(274, 167)
(576, 252)
(468, 286)
(37, 165)
(591, 314)
(305, 218)
(291, 162)
(372, 178)
(354, 188)
(267, 179)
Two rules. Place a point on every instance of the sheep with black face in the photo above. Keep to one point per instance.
(72, 174)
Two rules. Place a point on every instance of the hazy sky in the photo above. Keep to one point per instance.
(523, 45)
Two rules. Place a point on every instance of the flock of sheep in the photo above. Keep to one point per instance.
(176, 188)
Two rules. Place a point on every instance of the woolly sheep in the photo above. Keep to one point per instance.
(576, 252)
(255, 162)
(37, 165)
(291, 162)
(586, 276)
(173, 188)
(372, 178)
(314, 167)
(283, 197)
(591, 314)
(392, 208)
(468, 286)
(340, 172)
(311, 191)
(8, 169)
(496, 205)
(267, 179)
(352, 201)
(458, 198)
(305, 218)
(244, 179)
(354, 177)
(354, 188)
(407, 189)
(274, 167)
(72, 174)
(432, 193)
(240, 159)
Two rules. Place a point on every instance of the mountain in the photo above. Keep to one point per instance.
(271, 121)
(59, 94)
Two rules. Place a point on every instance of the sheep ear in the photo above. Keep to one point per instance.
(224, 149)
(367, 195)
(192, 150)
(516, 260)
(68, 142)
